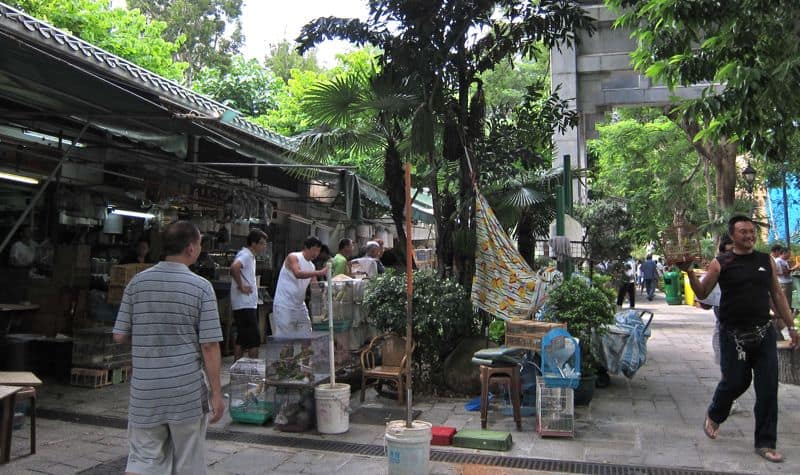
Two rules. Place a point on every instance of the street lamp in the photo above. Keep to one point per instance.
(749, 174)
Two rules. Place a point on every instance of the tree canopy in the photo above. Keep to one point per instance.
(200, 28)
(748, 53)
(647, 161)
(245, 86)
(126, 33)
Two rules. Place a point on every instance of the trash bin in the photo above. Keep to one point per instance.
(688, 293)
(795, 291)
(672, 287)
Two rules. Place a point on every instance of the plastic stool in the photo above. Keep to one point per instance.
(504, 375)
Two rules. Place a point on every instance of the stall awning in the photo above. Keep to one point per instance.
(356, 188)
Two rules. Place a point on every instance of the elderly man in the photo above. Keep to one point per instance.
(289, 311)
(369, 265)
(747, 278)
(169, 315)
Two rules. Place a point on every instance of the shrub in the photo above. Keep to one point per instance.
(586, 310)
(442, 315)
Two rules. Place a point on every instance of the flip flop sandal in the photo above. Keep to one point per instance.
(711, 428)
(770, 455)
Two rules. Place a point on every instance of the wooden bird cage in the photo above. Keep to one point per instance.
(681, 242)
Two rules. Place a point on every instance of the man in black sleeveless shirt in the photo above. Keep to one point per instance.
(747, 338)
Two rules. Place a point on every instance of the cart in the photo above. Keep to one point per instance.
(623, 349)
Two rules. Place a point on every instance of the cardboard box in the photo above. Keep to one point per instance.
(122, 274)
(115, 294)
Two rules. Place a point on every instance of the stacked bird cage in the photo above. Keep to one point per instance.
(251, 401)
(681, 242)
(555, 410)
(561, 359)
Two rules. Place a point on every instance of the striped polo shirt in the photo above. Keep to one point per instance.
(168, 311)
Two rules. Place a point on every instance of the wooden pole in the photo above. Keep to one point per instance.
(409, 294)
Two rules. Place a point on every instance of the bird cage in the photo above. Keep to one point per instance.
(343, 304)
(681, 242)
(561, 359)
(251, 402)
(555, 410)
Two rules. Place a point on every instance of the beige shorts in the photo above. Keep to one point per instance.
(168, 449)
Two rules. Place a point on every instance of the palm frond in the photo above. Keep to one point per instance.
(523, 197)
(338, 101)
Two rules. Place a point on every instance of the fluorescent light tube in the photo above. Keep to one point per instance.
(19, 178)
(133, 214)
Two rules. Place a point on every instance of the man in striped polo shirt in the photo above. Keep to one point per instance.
(169, 316)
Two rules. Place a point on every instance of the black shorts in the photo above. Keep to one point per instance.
(246, 320)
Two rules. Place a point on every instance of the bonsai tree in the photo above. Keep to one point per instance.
(586, 310)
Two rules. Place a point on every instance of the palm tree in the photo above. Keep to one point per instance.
(363, 115)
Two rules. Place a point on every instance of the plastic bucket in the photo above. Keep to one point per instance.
(408, 449)
(333, 408)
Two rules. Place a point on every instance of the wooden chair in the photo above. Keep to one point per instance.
(391, 347)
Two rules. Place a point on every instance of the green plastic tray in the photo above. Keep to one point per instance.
(338, 326)
(258, 414)
(483, 439)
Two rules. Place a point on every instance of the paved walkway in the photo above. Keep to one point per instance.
(652, 420)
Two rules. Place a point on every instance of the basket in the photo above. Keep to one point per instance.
(681, 243)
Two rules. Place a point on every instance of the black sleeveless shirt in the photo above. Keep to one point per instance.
(745, 281)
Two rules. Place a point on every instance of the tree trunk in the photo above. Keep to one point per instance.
(394, 179)
(525, 242)
(722, 156)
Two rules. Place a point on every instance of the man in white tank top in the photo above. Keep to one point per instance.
(289, 311)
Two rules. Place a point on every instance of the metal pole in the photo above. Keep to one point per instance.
(331, 344)
(567, 185)
(39, 193)
(785, 212)
(409, 295)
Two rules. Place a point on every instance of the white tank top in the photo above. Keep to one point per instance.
(291, 291)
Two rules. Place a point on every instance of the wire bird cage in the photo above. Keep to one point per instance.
(251, 402)
(681, 242)
(561, 359)
(555, 411)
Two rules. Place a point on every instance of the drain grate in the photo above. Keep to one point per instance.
(446, 456)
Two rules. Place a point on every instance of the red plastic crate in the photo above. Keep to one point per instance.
(442, 435)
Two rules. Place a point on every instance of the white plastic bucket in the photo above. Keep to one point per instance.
(408, 449)
(333, 408)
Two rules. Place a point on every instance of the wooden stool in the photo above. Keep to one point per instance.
(504, 375)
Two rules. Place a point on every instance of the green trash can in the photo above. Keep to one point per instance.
(795, 291)
(673, 281)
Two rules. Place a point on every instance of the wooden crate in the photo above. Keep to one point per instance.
(89, 377)
(114, 294)
(98, 378)
(122, 274)
(528, 333)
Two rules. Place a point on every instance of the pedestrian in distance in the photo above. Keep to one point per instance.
(627, 286)
(748, 352)
(169, 316)
(244, 295)
(650, 274)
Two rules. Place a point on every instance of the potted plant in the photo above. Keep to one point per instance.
(586, 310)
